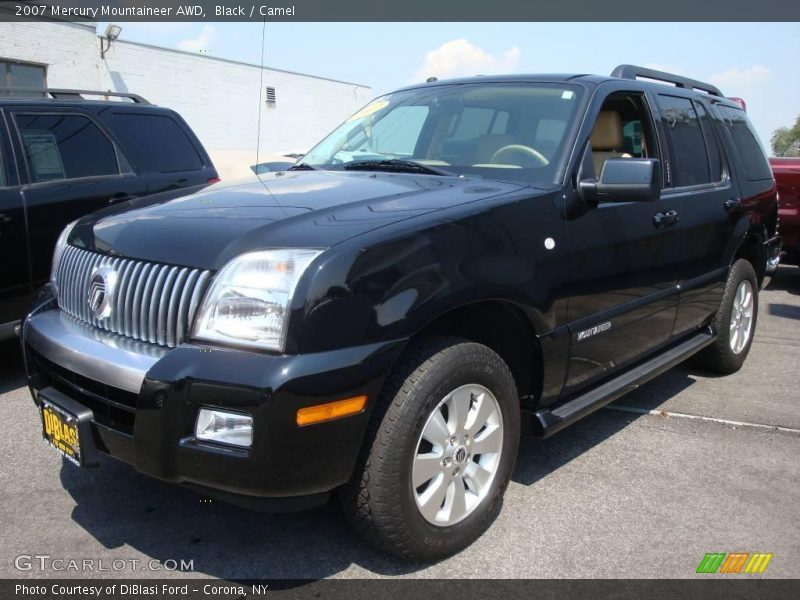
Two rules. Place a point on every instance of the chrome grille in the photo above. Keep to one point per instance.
(152, 302)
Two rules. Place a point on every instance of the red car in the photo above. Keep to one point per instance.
(787, 177)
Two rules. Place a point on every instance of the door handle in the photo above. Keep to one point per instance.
(732, 204)
(665, 219)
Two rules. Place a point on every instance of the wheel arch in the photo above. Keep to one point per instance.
(751, 248)
(503, 327)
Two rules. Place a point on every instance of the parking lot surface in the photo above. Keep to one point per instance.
(689, 463)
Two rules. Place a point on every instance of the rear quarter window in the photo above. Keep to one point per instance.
(744, 136)
(157, 143)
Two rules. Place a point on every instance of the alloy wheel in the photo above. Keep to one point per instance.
(741, 317)
(457, 455)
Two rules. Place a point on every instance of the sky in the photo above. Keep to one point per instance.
(759, 62)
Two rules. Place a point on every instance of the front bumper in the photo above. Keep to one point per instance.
(145, 402)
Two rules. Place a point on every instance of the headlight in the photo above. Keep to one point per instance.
(61, 244)
(248, 301)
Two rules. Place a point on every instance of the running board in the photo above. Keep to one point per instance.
(547, 422)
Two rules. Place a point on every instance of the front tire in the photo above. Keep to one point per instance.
(735, 322)
(440, 451)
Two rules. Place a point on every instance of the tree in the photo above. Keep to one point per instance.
(786, 140)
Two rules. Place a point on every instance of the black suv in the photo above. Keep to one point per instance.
(63, 156)
(458, 262)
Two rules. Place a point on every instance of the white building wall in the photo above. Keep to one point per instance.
(69, 50)
(219, 99)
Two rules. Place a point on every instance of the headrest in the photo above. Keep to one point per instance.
(607, 132)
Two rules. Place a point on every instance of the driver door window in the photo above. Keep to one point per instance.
(623, 129)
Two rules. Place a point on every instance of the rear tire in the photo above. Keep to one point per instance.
(416, 495)
(735, 322)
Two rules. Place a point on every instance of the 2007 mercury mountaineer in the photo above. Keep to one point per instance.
(457, 262)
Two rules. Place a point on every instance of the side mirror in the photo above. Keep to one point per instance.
(624, 180)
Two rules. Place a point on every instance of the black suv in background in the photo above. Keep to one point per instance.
(458, 262)
(63, 156)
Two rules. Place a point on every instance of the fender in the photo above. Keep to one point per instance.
(395, 284)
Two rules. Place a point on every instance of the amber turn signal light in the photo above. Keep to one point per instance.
(331, 410)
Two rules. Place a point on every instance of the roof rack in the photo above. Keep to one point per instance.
(632, 72)
(65, 94)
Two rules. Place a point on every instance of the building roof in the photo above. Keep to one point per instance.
(235, 62)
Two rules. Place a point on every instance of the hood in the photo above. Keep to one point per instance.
(315, 209)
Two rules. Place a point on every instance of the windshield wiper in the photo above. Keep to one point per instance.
(302, 167)
(396, 165)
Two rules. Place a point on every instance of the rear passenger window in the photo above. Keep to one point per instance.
(65, 147)
(744, 136)
(632, 138)
(477, 121)
(685, 140)
(156, 143)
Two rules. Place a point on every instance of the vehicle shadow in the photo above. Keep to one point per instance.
(785, 311)
(540, 457)
(12, 373)
(786, 279)
(120, 507)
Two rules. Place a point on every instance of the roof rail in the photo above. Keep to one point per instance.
(632, 72)
(65, 94)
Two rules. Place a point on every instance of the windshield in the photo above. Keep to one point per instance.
(510, 131)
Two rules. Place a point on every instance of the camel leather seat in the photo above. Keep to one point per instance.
(607, 140)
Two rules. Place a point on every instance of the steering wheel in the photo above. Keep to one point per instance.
(512, 149)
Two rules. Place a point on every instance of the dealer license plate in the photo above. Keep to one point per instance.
(60, 430)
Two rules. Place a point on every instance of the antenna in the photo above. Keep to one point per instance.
(260, 88)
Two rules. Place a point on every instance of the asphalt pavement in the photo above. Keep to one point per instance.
(688, 464)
